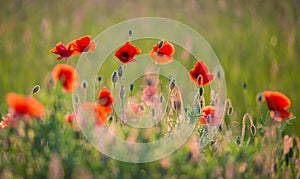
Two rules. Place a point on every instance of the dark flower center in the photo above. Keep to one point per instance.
(125, 54)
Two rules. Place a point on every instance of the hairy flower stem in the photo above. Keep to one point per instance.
(252, 127)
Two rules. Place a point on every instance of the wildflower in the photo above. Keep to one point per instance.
(105, 97)
(162, 52)
(69, 118)
(100, 112)
(208, 115)
(135, 107)
(25, 105)
(62, 50)
(4, 122)
(200, 74)
(82, 44)
(127, 52)
(67, 75)
(277, 104)
(149, 95)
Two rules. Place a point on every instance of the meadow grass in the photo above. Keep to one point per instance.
(256, 42)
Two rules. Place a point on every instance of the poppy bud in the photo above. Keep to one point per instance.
(172, 84)
(114, 77)
(152, 112)
(208, 118)
(76, 99)
(244, 85)
(130, 33)
(99, 79)
(259, 98)
(238, 140)
(160, 44)
(122, 91)
(131, 86)
(219, 74)
(185, 110)
(230, 110)
(253, 130)
(36, 89)
(120, 71)
(84, 84)
(201, 91)
(161, 99)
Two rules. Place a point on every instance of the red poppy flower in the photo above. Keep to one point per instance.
(199, 71)
(205, 112)
(127, 52)
(277, 104)
(70, 118)
(105, 97)
(67, 75)
(62, 50)
(162, 52)
(100, 112)
(27, 105)
(82, 44)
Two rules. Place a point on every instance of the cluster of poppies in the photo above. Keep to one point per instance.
(161, 53)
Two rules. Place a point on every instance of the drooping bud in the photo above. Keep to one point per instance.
(201, 91)
(35, 89)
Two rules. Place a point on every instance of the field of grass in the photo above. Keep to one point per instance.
(257, 43)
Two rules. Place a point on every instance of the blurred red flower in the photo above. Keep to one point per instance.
(205, 112)
(67, 75)
(100, 112)
(105, 97)
(69, 118)
(25, 105)
(162, 52)
(199, 71)
(62, 50)
(82, 44)
(149, 95)
(4, 122)
(127, 52)
(277, 104)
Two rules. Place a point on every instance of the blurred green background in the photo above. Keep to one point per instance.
(257, 42)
